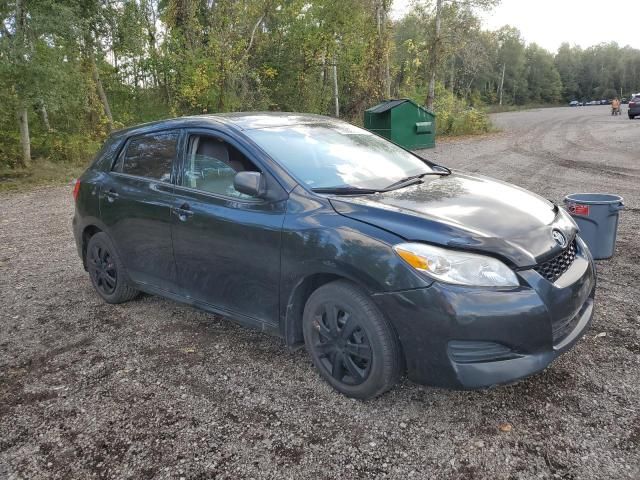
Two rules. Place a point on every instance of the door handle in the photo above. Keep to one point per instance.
(111, 195)
(183, 212)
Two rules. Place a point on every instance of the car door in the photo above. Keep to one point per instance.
(227, 244)
(135, 205)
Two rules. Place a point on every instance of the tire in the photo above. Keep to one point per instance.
(350, 342)
(631, 117)
(107, 272)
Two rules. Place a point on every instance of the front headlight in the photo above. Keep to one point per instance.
(457, 267)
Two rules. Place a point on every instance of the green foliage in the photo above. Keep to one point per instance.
(9, 148)
(72, 149)
(543, 80)
(69, 63)
(602, 71)
(454, 116)
(61, 158)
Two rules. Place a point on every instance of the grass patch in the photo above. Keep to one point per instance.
(41, 172)
(57, 158)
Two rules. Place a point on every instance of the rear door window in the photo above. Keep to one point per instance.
(150, 156)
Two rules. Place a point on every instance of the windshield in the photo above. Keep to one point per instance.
(337, 155)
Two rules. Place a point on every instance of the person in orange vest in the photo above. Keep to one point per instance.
(615, 106)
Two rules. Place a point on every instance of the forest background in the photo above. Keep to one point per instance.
(71, 71)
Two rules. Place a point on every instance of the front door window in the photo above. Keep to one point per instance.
(211, 165)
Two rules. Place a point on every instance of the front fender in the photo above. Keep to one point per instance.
(319, 243)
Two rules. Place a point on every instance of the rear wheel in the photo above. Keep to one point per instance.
(106, 270)
(350, 342)
(631, 117)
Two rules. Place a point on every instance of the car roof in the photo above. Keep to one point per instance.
(236, 121)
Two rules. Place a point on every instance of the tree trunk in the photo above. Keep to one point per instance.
(504, 67)
(433, 61)
(44, 115)
(452, 78)
(22, 113)
(101, 94)
(150, 16)
(382, 39)
(167, 92)
(25, 141)
(221, 85)
(20, 20)
(335, 88)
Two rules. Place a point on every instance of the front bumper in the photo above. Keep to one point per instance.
(471, 337)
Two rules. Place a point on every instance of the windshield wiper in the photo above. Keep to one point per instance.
(346, 190)
(405, 182)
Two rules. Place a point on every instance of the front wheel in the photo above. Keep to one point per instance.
(350, 342)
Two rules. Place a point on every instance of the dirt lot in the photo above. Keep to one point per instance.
(154, 389)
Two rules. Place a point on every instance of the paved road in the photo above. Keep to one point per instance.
(556, 151)
(154, 389)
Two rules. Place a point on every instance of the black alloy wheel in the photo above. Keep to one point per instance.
(351, 343)
(102, 270)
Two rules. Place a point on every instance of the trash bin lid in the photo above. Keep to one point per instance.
(594, 198)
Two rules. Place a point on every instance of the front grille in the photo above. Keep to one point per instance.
(554, 268)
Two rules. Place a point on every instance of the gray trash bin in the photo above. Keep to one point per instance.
(597, 216)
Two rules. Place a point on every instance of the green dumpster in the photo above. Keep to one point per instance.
(403, 122)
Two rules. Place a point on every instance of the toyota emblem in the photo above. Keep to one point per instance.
(559, 237)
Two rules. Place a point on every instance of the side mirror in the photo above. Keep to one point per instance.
(250, 183)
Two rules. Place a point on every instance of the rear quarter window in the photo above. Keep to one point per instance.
(150, 156)
(105, 156)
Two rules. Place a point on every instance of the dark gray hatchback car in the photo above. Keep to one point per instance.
(378, 261)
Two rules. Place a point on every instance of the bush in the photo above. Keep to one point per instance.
(454, 116)
(74, 149)
(10, 151)
(56, 158)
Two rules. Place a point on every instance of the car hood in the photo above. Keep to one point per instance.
(469, 212)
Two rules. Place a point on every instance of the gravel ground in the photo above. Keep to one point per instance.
(155, 389)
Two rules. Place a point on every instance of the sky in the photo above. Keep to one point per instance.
(551, 22)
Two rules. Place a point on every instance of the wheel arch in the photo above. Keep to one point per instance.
(298, 299)
(88, 232)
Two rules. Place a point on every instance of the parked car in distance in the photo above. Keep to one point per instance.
(378, 261)
(574, 103)
(634, 106)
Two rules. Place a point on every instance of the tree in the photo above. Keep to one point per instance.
(71, 70)
(20, 55)
(568, 61)
(436, 40)
(543, 80)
